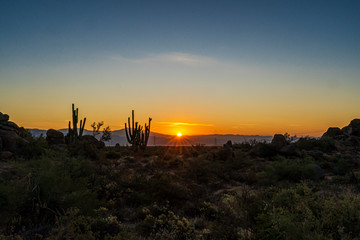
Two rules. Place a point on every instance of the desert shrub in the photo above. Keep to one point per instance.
(159, 188)
(300, 213)
(289, 170)
(34, 148)
(41, 190)
(244, 146)
(73, 225)
(344, 165)
(87, 146)
(13, 194)
(195, 150)
(263, 150)
(200, 170)
(176, 162)
(113, 155)
(57, 185)
(165, 188)
(323, 144)
(224, 154)
(162, 223)
(232, 215)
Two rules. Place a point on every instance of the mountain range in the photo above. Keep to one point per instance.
(157, 139)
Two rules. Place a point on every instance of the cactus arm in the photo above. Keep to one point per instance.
(75, 120)
(147, 132)
(127, 135)
(133, 119)
(82, 126)
(130, 133)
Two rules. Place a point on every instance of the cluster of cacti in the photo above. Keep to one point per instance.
(135, 134)
(73, 132)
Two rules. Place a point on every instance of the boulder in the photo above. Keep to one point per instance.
(91, 140)
(87, 146)
(278, 141)
(11, 140)
(353, 129)
(54, 137)
(289, 150)
(12, 137)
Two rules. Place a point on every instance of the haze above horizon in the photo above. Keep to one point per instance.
(195, 67)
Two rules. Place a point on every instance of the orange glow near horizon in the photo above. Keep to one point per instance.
(187, 126)
(189, 129)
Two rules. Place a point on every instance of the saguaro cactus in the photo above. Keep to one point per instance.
(135, 135)
(73, 132)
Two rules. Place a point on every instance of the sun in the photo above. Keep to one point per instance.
(179, 134)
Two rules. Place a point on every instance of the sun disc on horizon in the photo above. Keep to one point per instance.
(179, 134)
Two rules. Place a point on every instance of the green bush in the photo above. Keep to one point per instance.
(13, 194)
(344, 166)
(34, 148)
(63, 183)
(288, 170)
(44, 189)
(300, 213)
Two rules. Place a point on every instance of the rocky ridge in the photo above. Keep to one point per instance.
(12, 137)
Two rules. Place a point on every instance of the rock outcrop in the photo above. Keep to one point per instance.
(54, 137)
(333, 132)
(12, 137)
(346, 138)
(353, 129)
(279, 141)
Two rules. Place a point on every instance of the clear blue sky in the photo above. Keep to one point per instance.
(217, 55)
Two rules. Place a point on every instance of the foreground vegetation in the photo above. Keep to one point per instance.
(231, 192)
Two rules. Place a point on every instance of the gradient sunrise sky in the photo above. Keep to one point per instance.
(196, 67)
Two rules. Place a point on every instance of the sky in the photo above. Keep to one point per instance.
(196, 67)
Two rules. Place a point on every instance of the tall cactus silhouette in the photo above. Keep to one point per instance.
(135, 134)
(73, 132)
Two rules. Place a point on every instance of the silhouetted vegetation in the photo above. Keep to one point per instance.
(106, 136)
(135, 134)
(73, 133)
